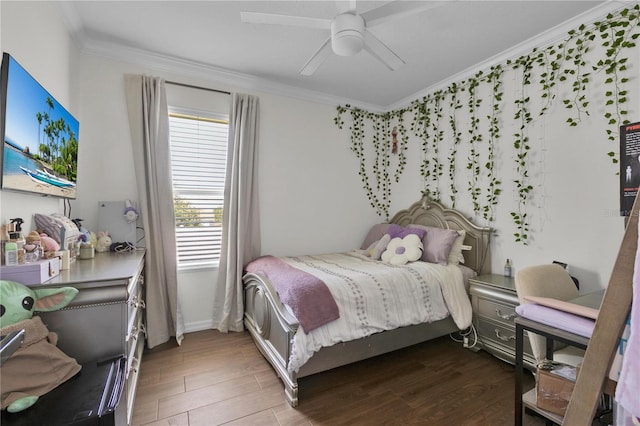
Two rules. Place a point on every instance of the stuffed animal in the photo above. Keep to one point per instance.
(42, 239)
(104, 241)
(85, 235)
(32, 246)
(93, 239)
(48, 243)
(38, 366)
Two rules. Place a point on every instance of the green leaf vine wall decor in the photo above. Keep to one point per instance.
(475, 139)
(564, 70)
(377, 183)
(454, 106)
(494, 79)
(521, 146)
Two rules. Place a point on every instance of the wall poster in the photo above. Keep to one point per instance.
(629, 166)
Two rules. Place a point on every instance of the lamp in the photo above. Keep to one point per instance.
(347, 34)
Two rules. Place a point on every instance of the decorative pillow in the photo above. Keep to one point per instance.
(369, 249)
(403, 250)
(455, 256)
(397, 231)
(375, 233)
(52, 224)
(380, 247)
(437, 243)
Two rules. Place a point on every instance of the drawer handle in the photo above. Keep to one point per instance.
(135, 303)
(507, 317)
(504, 338)
(133, 334)
(134, 365)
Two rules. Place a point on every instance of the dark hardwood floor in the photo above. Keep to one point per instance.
(216, 378)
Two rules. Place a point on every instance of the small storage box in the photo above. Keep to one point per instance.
(32, 273)
(555, 382)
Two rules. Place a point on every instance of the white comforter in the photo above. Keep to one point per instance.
(373, 296)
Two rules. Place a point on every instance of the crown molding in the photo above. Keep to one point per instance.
(214, 75)
(539, 41)
(227, 78)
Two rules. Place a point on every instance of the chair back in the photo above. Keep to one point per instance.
(544, 281)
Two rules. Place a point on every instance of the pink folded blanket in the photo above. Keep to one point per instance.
(308, 296)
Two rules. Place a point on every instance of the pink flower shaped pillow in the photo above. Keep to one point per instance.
(403, 250)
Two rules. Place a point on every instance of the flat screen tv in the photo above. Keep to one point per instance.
(40, 149)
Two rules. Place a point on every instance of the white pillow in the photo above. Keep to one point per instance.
(455, 255)
(403, 250)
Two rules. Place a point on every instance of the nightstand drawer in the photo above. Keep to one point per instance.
(501, 338)
(496, 311)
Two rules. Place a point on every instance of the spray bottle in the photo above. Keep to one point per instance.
(507, 268)
(15, 235)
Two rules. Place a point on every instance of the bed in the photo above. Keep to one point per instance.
(277, 332)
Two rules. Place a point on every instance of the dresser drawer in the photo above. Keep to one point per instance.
(136, 297)
(134, 336)
(135, 304)
(496, 311)
(500, 340)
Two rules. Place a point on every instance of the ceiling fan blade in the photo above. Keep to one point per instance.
(274, 19)
(380, 51)
(317, 59)
(396, 9)
(346, 6)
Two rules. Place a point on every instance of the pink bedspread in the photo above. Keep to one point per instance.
(308, 297)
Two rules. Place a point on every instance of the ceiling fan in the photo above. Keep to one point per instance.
(349, 30)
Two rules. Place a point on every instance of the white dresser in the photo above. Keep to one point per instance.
(106, 319)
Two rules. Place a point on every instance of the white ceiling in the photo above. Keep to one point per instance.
(436, 44)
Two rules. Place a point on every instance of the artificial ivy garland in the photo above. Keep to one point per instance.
(566, 62)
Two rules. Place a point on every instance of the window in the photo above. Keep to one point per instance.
(198, 164)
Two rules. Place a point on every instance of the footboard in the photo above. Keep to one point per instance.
(272, 328)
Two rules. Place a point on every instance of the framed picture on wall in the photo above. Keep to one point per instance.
(629, 166)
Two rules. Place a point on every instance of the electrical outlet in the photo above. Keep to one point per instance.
(465, 341)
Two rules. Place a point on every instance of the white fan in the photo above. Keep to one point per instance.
(349, 30)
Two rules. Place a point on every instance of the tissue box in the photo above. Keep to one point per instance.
(32, 273)
(555, 382)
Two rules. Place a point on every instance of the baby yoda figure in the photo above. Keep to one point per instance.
(38, 366)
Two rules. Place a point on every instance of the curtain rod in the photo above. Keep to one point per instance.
(197, 87)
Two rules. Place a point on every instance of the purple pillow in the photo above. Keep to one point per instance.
(396, 230)
(375, 233)
(437, 243)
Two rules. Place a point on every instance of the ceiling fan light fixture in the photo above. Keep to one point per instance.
(347, 34)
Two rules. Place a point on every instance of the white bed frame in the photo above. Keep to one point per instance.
(272, 327)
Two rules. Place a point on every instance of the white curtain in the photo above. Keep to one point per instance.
(241, 224)
(149, 125)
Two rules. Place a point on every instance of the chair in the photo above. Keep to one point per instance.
(548, 281)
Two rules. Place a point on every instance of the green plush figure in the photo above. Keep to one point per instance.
(38, 366)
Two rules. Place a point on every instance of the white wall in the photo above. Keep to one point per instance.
(306, 170)
(312, 199)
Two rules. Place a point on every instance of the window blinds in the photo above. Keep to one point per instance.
(198, 164)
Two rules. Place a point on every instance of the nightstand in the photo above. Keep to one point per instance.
(494, 299)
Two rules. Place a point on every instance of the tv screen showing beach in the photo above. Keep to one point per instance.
(40, 152)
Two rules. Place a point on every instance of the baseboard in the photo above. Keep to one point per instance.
(198, 326)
